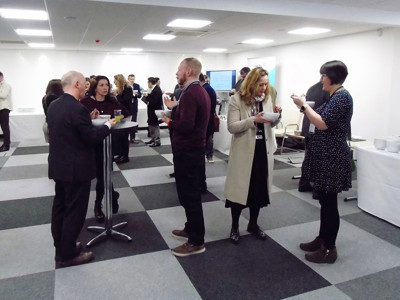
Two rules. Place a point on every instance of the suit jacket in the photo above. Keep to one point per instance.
(155, 102)
(72, 140)
(319, 96)
(213, 98)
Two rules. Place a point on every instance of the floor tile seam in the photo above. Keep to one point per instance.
(29, 274)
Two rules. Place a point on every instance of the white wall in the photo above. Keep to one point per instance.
(29, 71)
(373, 61)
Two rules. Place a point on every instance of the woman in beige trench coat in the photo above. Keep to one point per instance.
(249, 177)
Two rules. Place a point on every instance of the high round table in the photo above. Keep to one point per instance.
(110, 230)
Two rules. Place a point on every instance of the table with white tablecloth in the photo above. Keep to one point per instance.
(378, 176)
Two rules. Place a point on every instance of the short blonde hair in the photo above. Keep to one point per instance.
(250, 85)
(194, 64)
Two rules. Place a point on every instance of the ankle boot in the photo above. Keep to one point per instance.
(312, 246)
(322, 256)
(234, 236)
(115, 205)
(98, 213)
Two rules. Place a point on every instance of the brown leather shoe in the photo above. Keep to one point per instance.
(312, 246)
(78, 249)
(82, 258)
(188, 249)
(180, 234)
(322, 256)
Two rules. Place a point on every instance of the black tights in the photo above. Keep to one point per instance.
(236, 210)
(330, 219)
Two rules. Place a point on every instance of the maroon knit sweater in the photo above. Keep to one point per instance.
(104, 107)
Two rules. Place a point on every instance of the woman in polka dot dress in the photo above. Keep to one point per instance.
(328, 159)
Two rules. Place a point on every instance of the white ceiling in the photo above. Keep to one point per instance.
(76, 24)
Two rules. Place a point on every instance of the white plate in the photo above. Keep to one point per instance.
(106, 117)
(270, 116)
(99, 122)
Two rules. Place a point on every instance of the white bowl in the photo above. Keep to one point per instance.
(166, 112)
(99, 122)
(107, 117)
(158, 113)
(270, 116)
(392, 146)
(380, 144)
(310, 103)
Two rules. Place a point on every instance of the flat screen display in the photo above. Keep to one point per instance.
(223, 80)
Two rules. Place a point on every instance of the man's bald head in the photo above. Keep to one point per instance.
(73, 83)
(194, 64)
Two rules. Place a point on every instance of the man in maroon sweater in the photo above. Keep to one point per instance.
(189, 128)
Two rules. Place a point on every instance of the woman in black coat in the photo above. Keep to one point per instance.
(154, 102)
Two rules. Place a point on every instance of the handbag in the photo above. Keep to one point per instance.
(216, 123)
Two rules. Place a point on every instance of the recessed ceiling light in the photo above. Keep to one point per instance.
(24, 14)
(257, 41)
(309, 31)
(40, 45)
(34, 32)
(188, 23)
(214, 50)
(159, 37)
(131, 49)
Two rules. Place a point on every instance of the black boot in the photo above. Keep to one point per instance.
(98, 213)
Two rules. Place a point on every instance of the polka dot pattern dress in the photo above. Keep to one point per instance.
(328, 159)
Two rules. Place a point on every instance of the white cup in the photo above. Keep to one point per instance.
(380, 144)
(392, 146)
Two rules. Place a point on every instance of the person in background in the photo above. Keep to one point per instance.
(319, 96)
(243, 73)
(137, 94)
(249, 177)
(72, 166)
(206, 79)
(5, 108)
(188, 143)
(328, 158)
(87, 86)
(53, 91)
(154, 102)
(102, 102)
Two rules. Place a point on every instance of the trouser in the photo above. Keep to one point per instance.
(330, 220)
(68, 215)
(134, 110)
(187, 167)
(120, 143)
(5, 125)
(155, 133)
(209, 145)
(304, 183)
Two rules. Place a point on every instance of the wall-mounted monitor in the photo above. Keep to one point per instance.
(222, 80)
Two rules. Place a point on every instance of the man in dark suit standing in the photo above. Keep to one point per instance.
(72, 166)
(137, 94)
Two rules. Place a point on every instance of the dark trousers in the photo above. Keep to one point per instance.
(68, 215)
(134, 111)
(187, 167)
(120, 143)
(5, 125)
(304, 183)
(330, 220)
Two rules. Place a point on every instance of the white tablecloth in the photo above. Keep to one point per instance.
(378, 176)
(222, 139)
(26, 126)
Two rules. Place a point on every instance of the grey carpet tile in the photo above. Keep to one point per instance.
(23, 172)
(380, 285)
(254, 269)
(31, 150)
(376, 226)
(217, 169)
(144, 234)
(25, 212)
(3, 160)
(144, 162)
(118, 181)
(163, 149)
(29, 287)
(282, 178)
(281, 165)
(221, 155)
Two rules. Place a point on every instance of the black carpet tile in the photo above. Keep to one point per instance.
(163, 149)
(145, 237)
(33, 286)
(253, 269)
(25, 212)
(31, 150)
(118, 181)
(144, 162)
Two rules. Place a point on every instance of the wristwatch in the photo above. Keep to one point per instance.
(303, 107)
